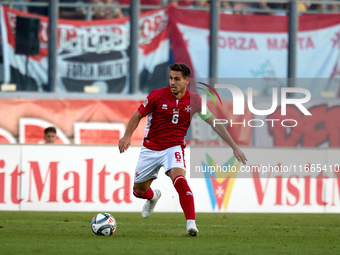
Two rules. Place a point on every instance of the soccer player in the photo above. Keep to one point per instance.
(169, 112)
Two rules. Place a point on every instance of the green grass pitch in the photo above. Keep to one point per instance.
(164, 233)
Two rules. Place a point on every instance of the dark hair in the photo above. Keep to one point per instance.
(50, 130)
(181, 67)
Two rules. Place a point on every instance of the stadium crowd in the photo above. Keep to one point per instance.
(115, 12)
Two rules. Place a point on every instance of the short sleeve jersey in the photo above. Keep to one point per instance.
(168, 118)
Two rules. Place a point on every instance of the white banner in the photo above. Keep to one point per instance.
(99, 178)
(73, 178)
(274, 180)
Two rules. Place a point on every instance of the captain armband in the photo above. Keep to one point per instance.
(205, 116)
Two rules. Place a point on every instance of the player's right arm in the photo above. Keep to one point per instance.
(125, 141)
(144, 109)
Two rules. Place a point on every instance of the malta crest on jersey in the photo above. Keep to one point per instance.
(188, 108)
(145, 102)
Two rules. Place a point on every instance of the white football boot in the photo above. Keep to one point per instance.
(191, 228)
(150, 204)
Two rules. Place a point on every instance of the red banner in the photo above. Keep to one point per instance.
(83, 121)
(26, 119)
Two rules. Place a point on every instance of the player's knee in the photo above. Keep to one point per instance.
(175, 172)
(138, 190)
(137, 193)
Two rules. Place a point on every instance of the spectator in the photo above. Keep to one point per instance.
(241, 7)
(100, 12)
(226, 7)
(106, 12)
(50, 135)
(333, 7)
(279, 7)
(200, 3)
(324, 7)
(72, 12)
(22, 8)
(302, 7)
(143, 2)
(184, 2)
(244, 8)
(41, 10)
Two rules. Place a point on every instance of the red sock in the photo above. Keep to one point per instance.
(186, 197)
(147, 195)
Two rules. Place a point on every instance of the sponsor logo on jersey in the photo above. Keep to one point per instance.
(164, 107)
(176, 110)
(220, 185)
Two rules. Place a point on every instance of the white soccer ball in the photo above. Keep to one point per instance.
(103, 224)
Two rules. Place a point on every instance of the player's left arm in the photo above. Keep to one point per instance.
(224, 134)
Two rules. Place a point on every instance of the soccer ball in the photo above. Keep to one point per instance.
(103, 224)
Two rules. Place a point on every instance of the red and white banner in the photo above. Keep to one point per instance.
(90, 53)
(6, 137)
(81, 121)
(86, 121)
(255, 46)
(99, 178)
(105, 121)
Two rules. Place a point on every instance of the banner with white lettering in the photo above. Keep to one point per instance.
(255, 46)
(99, 178)
(90, 53)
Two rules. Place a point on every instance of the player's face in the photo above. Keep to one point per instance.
(50, 137)
(178, 84)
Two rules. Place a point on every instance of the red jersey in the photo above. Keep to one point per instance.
(168, 118)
